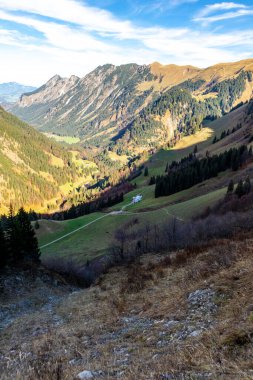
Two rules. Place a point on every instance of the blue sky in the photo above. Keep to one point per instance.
(39, 38)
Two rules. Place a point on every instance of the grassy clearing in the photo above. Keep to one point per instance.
(203, 139)
(195, 206)
(67, 139)
(92, 241)
(95, 239)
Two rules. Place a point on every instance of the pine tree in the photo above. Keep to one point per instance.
(247, 186)
(12, 237)
(235, 160)
(3, 249)
(36, 225)
(29, 244)
(146, 172)
(239, 191)
(152, 180)
(195, 149)
(230, 187)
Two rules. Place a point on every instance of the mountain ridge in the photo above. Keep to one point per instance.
(11, 91)
(102, 105)
(35, 172)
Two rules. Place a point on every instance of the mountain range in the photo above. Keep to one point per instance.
(11, 91)
(113, 105)
(118, 114)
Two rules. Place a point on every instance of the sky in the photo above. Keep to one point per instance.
(41, 38)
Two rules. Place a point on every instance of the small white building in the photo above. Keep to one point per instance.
(137, 198)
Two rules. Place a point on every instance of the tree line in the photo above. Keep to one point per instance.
(192, 170)
(243, 187)
(18, 242)
(226, 133)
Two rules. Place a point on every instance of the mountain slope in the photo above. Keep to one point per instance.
(103, 103)
(11, 91)
(182, 110)
(33, 169)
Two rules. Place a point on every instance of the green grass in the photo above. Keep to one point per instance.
(51, 230)
(92, 241)
(67, 139)
(203, 139)
(95, 240)
(196, 206)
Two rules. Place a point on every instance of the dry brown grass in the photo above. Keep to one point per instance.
(117, 324)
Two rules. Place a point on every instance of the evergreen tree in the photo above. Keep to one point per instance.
(215, 139)
(247, 186)
(195, 149)
(239, 191)
(12, 237)
(230, 187)
(152, 180)
(36, 225)
(146, 172)
(3, 249)
(29, 244)
(235, 160)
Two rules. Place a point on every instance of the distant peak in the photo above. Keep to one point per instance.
(74, 78)
(54, 79)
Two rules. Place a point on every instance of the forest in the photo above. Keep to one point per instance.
(186, 110)
(18, 242)
(192, 170)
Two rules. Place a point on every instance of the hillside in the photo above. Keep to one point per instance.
(108, 102)
(182, 110)
(94, 235)
(168, 316)
(34, 171)
(170, 276)
(11, 92)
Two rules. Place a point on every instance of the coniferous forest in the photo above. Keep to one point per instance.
(18, 243)
(192, 170)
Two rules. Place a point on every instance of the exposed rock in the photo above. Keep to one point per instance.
(85, 375)
(89, 374)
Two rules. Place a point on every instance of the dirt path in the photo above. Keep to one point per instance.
(72, 232)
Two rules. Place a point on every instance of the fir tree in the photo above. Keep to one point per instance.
(247, 186)
(3, 249)
(29, 244)
(12, 237)
(152, 180)
(146, 172)
(239, 191)
(36, 225)
(230, 187)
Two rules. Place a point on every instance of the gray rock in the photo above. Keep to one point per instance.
(85, 375)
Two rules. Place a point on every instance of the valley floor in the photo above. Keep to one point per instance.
(184, 316)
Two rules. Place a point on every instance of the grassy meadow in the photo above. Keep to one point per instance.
(96, 238)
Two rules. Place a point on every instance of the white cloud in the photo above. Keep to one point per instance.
(71, 11)
(222, 11)
(77, 38)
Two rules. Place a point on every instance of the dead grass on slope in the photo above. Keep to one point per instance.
(184, 316)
